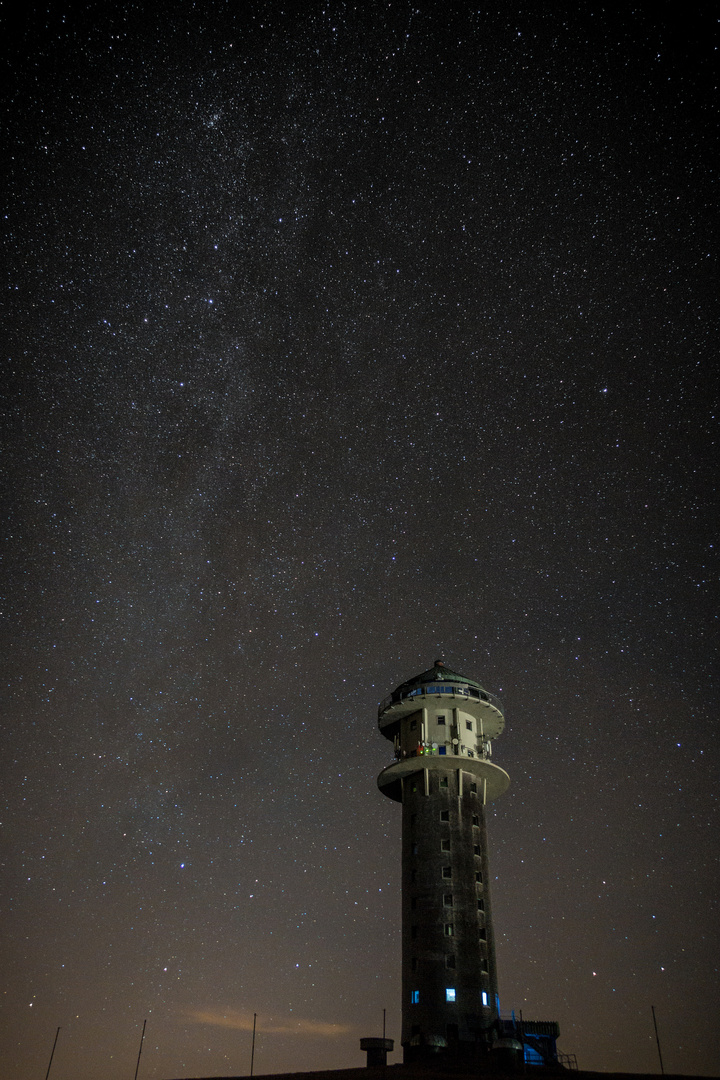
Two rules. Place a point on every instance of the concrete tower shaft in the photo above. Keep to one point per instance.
(441, 725)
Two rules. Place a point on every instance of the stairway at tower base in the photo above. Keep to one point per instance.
(507, 1045)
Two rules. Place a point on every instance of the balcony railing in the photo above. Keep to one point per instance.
(451, 689)
(442, 750)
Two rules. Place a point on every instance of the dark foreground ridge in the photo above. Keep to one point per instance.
(428, 1072)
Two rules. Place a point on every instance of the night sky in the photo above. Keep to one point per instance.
(338, 340)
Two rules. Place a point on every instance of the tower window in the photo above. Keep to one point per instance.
(483, 935)
(441, 720)
(468, 725)
(478, 876)
(477, 850)
(414, 849)
(448, 929)
(443, 781)
(450, 993)
(476, 820)
(444, 815)
(450, 961)
(484, 998)
(413, 725)
(473, 788)
(447, 871)
(448, 900)
(481, 905)
(415, 997)
(444, 845)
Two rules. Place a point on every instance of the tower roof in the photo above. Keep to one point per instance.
(439, 672)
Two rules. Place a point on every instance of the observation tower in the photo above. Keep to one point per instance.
(441, 725)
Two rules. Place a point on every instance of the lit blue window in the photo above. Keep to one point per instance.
(484, 997)
(450, 994)
(415, 997)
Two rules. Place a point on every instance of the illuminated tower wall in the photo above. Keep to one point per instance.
(441, 725)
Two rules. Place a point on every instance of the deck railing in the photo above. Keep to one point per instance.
(451, 689)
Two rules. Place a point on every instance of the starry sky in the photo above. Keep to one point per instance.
(341, 337)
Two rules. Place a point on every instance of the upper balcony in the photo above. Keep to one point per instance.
(433, 692)
(454, 689)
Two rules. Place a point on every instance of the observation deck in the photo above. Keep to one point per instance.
(470, 698)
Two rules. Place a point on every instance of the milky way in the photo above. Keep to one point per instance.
(341, 341)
